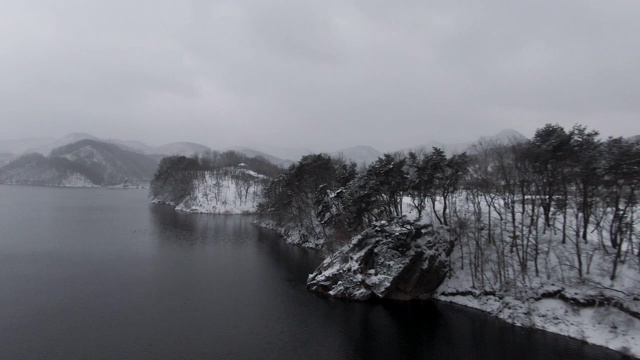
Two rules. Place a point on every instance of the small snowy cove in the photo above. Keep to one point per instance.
(593, 308)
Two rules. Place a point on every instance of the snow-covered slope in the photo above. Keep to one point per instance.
(224, 191)
(550, 296)
(83, 163)
(35, 169)
(108, 162)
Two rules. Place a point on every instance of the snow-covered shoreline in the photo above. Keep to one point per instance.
(85, 186)
(603, 326)
(203, 210)
(587, 309)
(566, 310)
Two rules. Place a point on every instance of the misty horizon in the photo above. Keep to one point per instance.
(323, 76)
(76, 136)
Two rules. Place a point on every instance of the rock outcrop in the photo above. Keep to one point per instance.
(397, 260)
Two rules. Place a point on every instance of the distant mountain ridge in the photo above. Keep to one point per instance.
(291, 154)
(274, 160)
(20, 146)
(83, 163)
(44, 146)
(503, 137)
(67, 139)
(180, 148)
(283, 157)
(36, 169)
(361, 154)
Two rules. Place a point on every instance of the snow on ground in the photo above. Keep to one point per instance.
(235, 193)
(77, 180)
(86, 154)
(557, 300)
(530, 301)
(605, 326)
(128, 185)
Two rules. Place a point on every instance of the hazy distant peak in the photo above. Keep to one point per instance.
(359, 154)
(19, 146)
(132, 145)
(360, 148)
(505, 136)
(65, 140)
(86, 162)
(293, 154)
(79, 136)
(181, 148)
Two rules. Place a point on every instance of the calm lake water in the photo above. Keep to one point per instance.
(103, 274)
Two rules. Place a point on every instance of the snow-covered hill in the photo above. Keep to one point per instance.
(113, 164)
(230, 190)
(82, 163)
(35, 169)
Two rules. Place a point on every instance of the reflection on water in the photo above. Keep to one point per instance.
(102, 274)
(179, 228)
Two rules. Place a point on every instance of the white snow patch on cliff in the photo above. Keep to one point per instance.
(77, 180)
(237, 192)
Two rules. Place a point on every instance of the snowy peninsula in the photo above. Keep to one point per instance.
(535, 232)
(544, 231)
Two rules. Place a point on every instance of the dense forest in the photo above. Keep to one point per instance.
(544, 209)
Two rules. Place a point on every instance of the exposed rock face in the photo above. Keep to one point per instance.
(398, 261)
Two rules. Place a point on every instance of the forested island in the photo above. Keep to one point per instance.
(541, 233)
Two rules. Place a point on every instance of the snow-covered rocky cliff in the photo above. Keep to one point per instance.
(398, 260)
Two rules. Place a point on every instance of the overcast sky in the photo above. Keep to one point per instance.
(319, 74)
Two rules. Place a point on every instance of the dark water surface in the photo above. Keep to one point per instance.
(102, 274)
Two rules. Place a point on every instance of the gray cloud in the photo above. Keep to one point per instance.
(320, 74)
